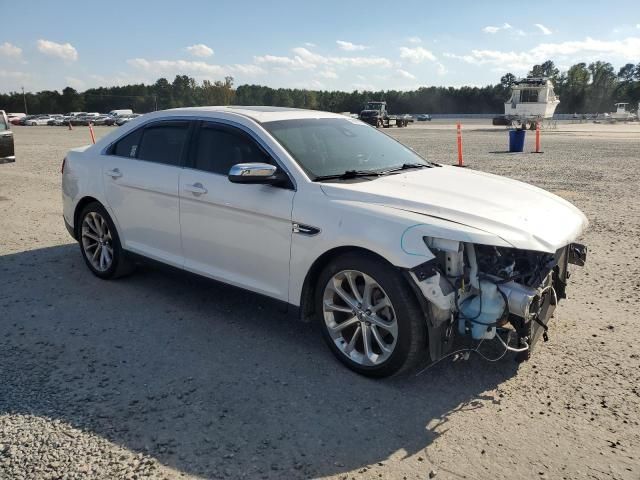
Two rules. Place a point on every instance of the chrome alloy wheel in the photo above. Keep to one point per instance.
(97, 242)
(360, 318)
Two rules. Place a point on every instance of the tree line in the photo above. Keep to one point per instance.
(583, 88)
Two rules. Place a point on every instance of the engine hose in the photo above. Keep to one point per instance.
(512, 349)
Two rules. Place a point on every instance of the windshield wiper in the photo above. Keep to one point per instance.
(405, 166)
(348, 174)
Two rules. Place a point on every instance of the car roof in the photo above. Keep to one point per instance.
(258, 113)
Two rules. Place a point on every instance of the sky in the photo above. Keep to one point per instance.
(336, 45)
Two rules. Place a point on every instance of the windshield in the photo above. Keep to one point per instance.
(373, 106)
(331, 146)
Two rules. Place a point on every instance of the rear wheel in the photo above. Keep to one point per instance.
(100, 243)
(369, 316)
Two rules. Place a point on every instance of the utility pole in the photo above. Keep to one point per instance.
(24, 98)
(155, 99)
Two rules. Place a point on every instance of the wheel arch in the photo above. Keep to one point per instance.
(307, 305)
(84, 201)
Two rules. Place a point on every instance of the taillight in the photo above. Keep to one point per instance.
(64, 160)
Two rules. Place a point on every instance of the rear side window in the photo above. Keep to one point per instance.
(3, 122)
(128, 146)
(164, 143)
(220, 147)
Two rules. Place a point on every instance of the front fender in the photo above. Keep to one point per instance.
(395, 235)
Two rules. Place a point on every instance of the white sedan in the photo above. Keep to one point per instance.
(39, 121)
(393, 255)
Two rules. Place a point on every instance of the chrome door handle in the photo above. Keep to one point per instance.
(196, 189)
(115, 173)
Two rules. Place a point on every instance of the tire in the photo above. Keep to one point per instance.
(379, 123)
(91, 223)
(406, 343)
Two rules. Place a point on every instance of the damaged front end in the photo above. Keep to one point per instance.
(480, 291)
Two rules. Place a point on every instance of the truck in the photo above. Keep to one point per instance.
(376, 114)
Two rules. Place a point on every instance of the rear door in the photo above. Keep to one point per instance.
(7, 152)
(141, 175)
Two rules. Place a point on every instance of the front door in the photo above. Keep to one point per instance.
(236, 233)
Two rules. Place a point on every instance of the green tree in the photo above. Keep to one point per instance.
(603, 86)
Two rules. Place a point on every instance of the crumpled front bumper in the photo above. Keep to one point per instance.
(531, 331)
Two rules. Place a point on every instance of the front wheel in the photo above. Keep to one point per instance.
(369, 317)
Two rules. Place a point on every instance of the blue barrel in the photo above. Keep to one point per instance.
(516, 140)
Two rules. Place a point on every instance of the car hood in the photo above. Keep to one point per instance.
(522, 215)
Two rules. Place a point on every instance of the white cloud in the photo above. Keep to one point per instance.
(13, 75)
(543, 29)
(305, 59)
(328, 73)
(441, 69)
(9, 50)
(492, 29)
(192, 67)
(414, 40)
(75, 83)
(405, 74)
(349, 47)
(200, 50)
(245, 69)
(364, 86)
(309, 44)
(65, 51)
(274, 60)
(417, 54)
(566, 52)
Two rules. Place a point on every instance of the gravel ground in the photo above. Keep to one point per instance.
(165, 375)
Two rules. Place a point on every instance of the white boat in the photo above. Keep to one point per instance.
(532, 99)
(622, 113)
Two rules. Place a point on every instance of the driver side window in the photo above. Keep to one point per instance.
(220, 147)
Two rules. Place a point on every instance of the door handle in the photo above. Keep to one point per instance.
(115, 173)
(197, 189)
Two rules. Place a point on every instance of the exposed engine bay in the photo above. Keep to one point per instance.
(488, 293)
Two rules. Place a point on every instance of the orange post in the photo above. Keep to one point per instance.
(538, 137)
(93, 136)
(460, 157)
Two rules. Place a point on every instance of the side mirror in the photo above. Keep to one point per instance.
(254, 173)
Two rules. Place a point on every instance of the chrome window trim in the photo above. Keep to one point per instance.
(202, 118)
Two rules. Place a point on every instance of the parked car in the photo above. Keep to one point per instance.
(14, 118)
(38, 120)
(54, 118)
(82, 120)
(393, 255)
(7, 151)
(118, 113)
(122, 119)
(101, 119)
(424, 117)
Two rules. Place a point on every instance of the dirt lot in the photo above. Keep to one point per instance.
(166, 375)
